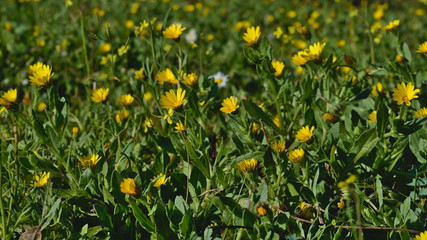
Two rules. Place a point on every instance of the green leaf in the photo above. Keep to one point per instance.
(141, 218)
(257, 113)
(48, 218)
(185, 226)
(104, 216)
(405, 207)
(418, 145)
(406, 52)
(382, 119)
(379, 189)
(165, 144)
(85, 178)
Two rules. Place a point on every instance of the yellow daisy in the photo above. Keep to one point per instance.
(8, 98)
(171, 100)
(160, 181)
(166, 76)
(313, 53)
(279, 146)
(305, 134)
(278, 66)
(298, 60)
(229, 105)
(190, 79)
(421, 113)
(173, 31)
(404, 93)
(41, 180)
(392, 26)
(261, 210)
(125, 100)
(89, 160)
(247, 165)
(422, 48)
(373, 117)
(122, 115)
(179, 127)
(296, 155)
(252, 35)
(32, 68)
(128, 186)
(41, 74)
(100, 94)
(422, 236)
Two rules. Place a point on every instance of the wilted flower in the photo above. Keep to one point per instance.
(160, 181)
(373, 117)
(422, 48)
(125, 100)
(41, 107)
(100, 94)
(173, 31)
(128, 186)
(404, 93)
(392, 26)
(41, 180)
(296, 155)
(229, 105)
(190, 79)
(306, 211)
(341, 204)
(89, 160)
(247, 165)
(279, 146)
(139, 74)
(304, 134)
(166, 76)
(329, 117)
(421, 113)
(278, 66)
(8, 98)
(75, 130)
(171, 100)
(303, 30)
(251, 36)
(401, 59)
(40, 74)
(191, 36)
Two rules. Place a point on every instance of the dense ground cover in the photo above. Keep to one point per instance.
(213, 119)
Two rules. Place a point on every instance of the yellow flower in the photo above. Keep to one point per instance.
(276, 120)
(32, 68)
(255, 128)
(229, 105)
(173, 31)
(251, 36)
(190, 79)
(421, 113)
(278, 33)
(148, 123)
(298, 60)
(122, 115)
(148, 96)
(304, 134)
(422, 236)
(40, 74)
(279, 146)
(422, 48)
(350, 180)
(242, 24)
(313, 53)
(160, 181)
(278, 66)
(8, 98)
(247, 165)
(125, 100)
(105, 47)
(179, 127)
(42, 106)
(329, 117)
(373, 117)
(89, 160)
(41, 180)
(75, 130)
(129, 24)
(139, 74)
(171, 100)
(401, 59)
(404, 93)
(296, 155)
(392, 26)
(377, 88)
(261, 210)
(100, 94)
(128, 186)
(341, 204)
(166, 76)
(303, 30)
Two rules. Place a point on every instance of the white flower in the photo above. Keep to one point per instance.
(191, 36)
(221, 79)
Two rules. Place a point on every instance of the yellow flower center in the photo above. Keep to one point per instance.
(218, 81)
(406, 99)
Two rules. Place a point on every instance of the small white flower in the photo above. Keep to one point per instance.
(191, 36)
(221, 79)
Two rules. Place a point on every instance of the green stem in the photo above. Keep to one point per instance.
(82, 32)
(3, 220)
